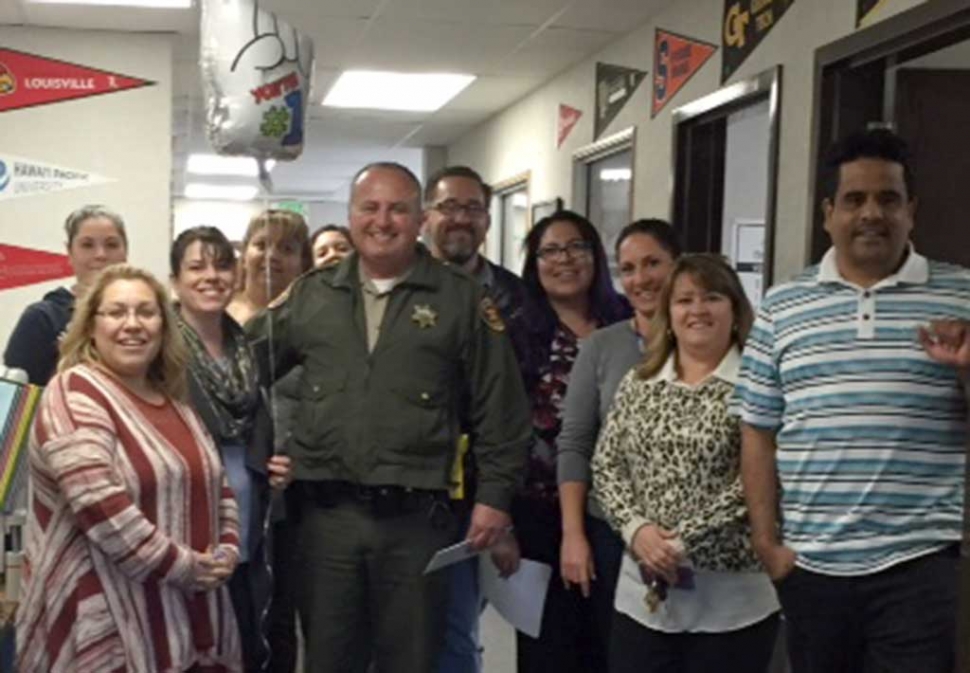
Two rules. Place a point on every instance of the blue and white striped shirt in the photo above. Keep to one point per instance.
(870, 430)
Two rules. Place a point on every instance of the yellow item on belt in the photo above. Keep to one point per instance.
(457, 490)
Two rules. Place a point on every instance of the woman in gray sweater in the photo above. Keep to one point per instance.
(591, 551)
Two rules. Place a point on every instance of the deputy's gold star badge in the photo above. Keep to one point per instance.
(424, 316)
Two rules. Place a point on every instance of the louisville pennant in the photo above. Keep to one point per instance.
(21, 177)
(615, 85)
(864, 10)
(675, 60)
(25, 266)
(28, 80)
(744, 26)
(568, 116)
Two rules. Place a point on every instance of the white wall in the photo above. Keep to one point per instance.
(125, 136)
(232, 217)
(521, 138)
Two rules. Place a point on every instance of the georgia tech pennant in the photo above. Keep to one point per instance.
(615, 85)
(568, 116)
(24, 266)
(864, 10)
(744, 26)
(675, 60)
(28, 80)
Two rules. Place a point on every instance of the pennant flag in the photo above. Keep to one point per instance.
(568, 116)
(675, 60)
(25, 266)
(745, 24)
(27, 80)
(615, 85)
(864, 10)
(26, 177)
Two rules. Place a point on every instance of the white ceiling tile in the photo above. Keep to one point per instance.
(476, 12)
(348, 9)
(620, 16)
(436, 47)
(514, 46)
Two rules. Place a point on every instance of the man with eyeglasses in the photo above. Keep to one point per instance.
(456, 220)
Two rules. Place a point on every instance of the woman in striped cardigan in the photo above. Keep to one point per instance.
(132, 531)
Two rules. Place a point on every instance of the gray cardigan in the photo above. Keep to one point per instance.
(604, 359)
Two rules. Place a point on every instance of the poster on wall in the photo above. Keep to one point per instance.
(25, 266)
(27, 177)
(615, 85)
(675, 60)
(864, 11)
(749, 257)
(28, 80)
(566, 122)
(745, 24)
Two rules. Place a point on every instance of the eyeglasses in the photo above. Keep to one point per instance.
(120, 314)
(452, 208)
(549, 253)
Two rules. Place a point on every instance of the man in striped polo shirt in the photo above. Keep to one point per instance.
(851, 396)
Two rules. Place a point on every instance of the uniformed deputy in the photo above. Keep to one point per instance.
(390, 340)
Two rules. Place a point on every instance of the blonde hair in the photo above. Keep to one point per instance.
(714, 274)
(167, 372)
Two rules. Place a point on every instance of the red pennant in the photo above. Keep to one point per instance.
(25, 266)
(568, 116)
(675, 60)
(27, 80)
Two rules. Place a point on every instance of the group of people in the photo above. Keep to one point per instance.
(282, 442)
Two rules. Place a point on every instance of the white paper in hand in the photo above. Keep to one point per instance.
(521, 598)
(456, 553)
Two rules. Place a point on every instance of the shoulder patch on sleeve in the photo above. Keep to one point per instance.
(490, 315)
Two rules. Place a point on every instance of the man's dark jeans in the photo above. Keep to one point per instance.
(900, 620)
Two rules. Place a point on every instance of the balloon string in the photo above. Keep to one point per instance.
(267, 190)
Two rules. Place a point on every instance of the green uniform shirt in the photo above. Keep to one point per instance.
(390, 416)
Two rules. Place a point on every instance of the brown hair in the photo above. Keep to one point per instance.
(290, 226)
(72, 225)
(167, 372)
(714, 274)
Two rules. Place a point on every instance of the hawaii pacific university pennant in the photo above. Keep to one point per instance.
(675, 60)
(28, 80)
(615, 85)
(745, 24)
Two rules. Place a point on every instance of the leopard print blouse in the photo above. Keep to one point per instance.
(670, 455)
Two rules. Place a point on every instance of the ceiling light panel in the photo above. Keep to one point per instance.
(199, 190)
(411, 92)
(214, 164)
(156, 4)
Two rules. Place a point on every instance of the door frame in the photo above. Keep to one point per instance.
(625, 139)
(839, 107)
(766, 85)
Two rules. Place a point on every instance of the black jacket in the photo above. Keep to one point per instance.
(32, 345)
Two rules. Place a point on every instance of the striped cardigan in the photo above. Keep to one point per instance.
(116, 510)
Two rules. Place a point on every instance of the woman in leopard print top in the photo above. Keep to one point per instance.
(691, 596)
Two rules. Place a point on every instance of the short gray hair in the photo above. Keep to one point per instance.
(74, 221)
